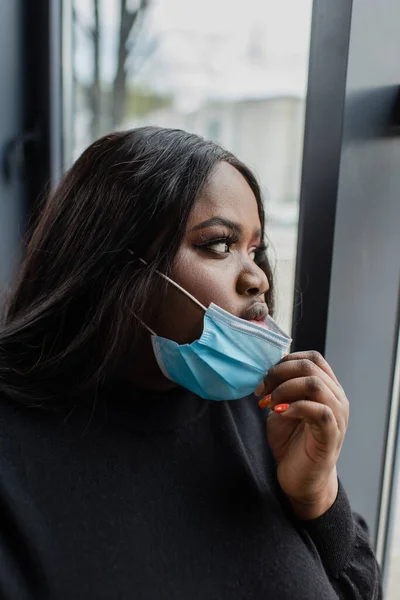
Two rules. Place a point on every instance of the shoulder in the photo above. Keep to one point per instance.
(11, 417)
(24, 429)
(14, 439)
(16, 427)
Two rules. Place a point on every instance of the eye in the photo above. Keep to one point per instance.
(258, 254)
(220, 247)
(253, 254)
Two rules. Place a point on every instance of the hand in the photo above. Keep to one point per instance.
(307, 437)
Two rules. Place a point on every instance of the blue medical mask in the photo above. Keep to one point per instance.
(228, 361)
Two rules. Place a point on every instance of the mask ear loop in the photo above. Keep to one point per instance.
(144, 325)
(172, 282)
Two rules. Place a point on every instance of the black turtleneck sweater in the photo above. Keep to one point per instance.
(163, 498)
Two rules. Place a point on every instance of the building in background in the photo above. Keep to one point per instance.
(266, 133)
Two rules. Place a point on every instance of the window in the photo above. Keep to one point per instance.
(393, 567)
(234, 72)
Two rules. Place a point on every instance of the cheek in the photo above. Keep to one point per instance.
(178, 317)
(208, 280)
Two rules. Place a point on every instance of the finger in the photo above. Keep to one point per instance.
(293, 369)
(308, 388)
(320, 417)
(316, 358)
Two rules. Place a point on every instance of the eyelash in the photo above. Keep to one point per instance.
(229, 240)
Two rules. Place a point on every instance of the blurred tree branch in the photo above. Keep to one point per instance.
(115, 100)
(128, 20)
(95, 89)
(91, 32)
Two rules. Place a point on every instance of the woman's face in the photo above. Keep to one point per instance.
(217, 259)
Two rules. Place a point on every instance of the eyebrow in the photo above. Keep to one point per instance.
(235, 227)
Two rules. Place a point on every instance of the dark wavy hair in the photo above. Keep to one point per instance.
(69, 319)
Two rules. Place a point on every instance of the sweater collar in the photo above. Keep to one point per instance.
(146, 411)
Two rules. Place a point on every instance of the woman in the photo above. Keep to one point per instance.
(117, 481)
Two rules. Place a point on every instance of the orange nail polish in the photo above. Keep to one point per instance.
(265, 402)
(281, 408)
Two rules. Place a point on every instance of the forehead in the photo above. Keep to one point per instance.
(227, 194)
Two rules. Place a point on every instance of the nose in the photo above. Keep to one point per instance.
(252, 281)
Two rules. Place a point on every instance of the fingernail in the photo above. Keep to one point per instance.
(259, 390)
(281, 408)
(264, 402)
